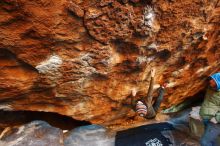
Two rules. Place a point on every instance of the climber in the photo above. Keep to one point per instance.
(210, 111)
(145, 107)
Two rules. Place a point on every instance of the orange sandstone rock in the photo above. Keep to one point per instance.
(82, 58)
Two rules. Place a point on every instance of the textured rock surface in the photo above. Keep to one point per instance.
(33, 134)
(82, 58)
(93, 135)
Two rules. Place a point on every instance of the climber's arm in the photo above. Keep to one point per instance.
(156, 106)
(148, 98)
(133, 94)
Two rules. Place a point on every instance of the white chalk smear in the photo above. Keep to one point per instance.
(50, 65)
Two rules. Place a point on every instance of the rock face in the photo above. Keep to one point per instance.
(40, 133)
(33, 134)
(92, 135)
(82, 58)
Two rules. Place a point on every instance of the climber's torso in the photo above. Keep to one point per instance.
(211, 104)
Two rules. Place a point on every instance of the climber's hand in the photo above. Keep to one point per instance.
(152, 72)
(213, 120)
(133, 92)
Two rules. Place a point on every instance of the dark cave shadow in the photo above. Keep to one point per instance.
(15, 118)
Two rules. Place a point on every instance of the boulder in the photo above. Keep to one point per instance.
(92, 135)
(36, 133)
(83, 58)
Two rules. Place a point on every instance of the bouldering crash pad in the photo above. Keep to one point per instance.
(148, 135)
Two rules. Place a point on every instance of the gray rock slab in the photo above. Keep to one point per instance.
(92, 135)
(36, 133)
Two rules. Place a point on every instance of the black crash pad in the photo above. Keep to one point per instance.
(147, 135)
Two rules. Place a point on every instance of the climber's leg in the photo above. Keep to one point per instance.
(210, 135)
(156, 105)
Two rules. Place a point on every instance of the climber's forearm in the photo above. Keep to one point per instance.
(148, 98)
(133, 102)
(156, 106)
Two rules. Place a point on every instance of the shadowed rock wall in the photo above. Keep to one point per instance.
(82, 58)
